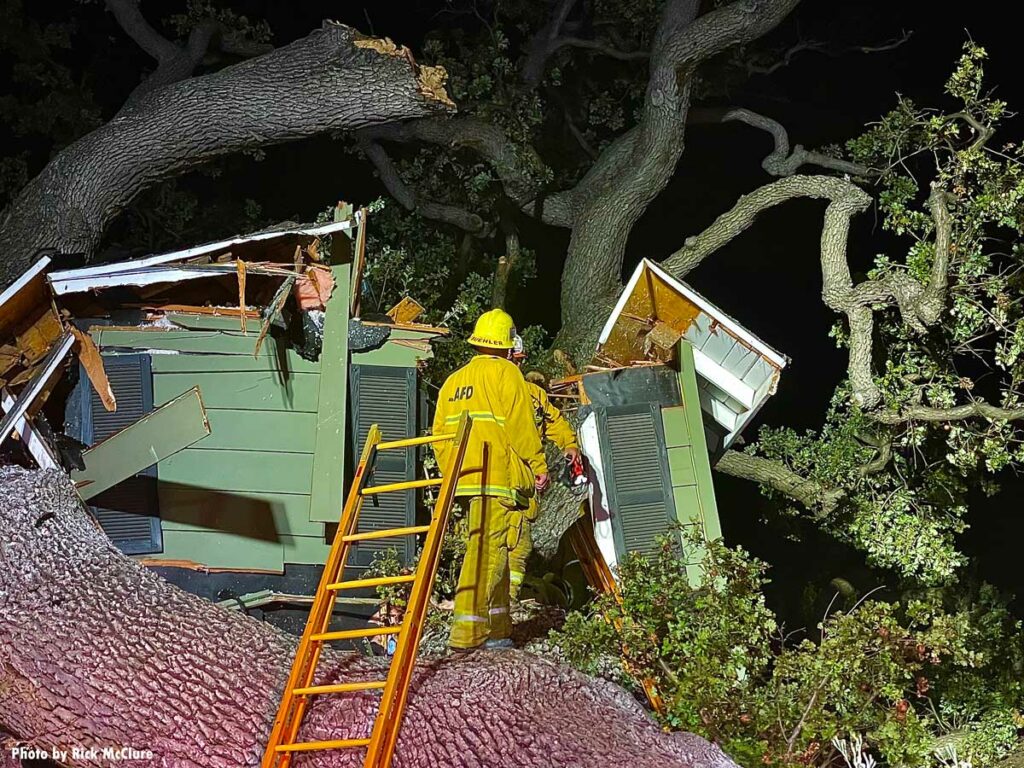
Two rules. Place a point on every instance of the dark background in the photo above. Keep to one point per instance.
(768, 279)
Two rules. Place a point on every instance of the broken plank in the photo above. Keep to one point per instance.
(37, 386)
(406, 311)
(156, 436)
(193, 309)
(272, 310)
(91, 360)
(40, 450)
(36, 341)
(241, 294)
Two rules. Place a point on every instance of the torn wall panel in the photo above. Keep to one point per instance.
(655, 310)
(156, 436)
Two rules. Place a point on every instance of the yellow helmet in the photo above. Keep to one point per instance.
(495, 330)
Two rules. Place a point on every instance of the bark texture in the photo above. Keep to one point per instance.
(328, 81)
(97, 651)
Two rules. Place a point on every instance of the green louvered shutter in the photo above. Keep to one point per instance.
(386, 396)
(129, 511)
(637, 475)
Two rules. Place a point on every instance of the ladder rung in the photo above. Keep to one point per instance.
(411, 441)
(314, 690)
(352, 634)
(307, 746)
(386, 533)
(382, 581)
(403, 486)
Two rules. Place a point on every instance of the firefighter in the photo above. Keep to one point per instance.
(503, 469)
(551, 425)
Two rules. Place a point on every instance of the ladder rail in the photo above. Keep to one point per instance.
(396, 694)
(380, 746)
(290, 713)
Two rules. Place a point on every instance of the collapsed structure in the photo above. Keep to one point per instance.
(219, 394)
(207, 400)
(673, 383)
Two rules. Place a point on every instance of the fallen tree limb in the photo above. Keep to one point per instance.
(331, 80)
(96, 651)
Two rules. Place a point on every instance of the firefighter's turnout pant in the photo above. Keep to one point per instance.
(482, 595)
(520, 551)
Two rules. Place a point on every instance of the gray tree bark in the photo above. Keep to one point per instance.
(330, 80)
(96, 651)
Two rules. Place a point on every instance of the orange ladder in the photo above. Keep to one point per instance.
(380, 746)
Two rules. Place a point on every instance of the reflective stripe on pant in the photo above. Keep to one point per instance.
(520, 549)
(481, 597)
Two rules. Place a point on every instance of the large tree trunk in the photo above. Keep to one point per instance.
(96, 651)
(330, 80)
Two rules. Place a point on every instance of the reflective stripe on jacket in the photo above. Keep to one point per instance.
(549, 420)
(504, 451)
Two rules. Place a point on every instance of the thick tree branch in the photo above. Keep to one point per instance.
(129, 17)
(328, 81)
(129, 660)
(633, 170)
(742, 215)
(408, 199)
(781, 161)
(519, 170)
(920, 305)
(838, 292)
(977, 409)
(176, 62)
(543, 44)
(605, 49)
(825, 48)
(810, 493)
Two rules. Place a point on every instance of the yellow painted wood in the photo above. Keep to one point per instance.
(288, 720)
(395, 693)
(308, 746)
(381, 581)
(354, 634)
(386, 533)
(412, 441)
(316, 690)
(406, 485)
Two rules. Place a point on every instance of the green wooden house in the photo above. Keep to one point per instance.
(681, 381)
(263, 489)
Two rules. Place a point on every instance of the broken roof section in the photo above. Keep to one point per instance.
(736, 371)
(45, 314)
(276, 247)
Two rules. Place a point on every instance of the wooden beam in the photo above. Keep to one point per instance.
(37, 446)
(37, 386)
(154, 437)
(328, 490)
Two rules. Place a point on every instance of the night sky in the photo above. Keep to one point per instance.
(768, 279)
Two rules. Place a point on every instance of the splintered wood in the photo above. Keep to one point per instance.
(405, 311)
(92, 362)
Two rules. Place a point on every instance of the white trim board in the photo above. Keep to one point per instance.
(706, 306)
(36, 385)
(38, 448)
(107, 275)
(26, 277)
